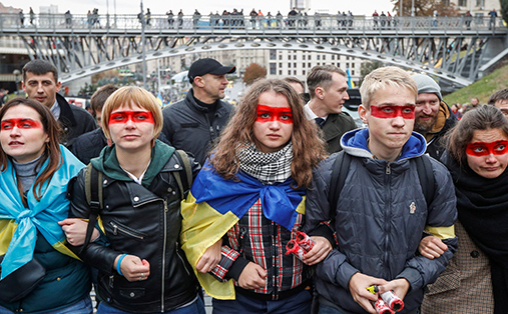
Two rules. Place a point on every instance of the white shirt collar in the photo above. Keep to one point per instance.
(309, 114)
(55, 109)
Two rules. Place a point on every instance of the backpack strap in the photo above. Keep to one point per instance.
(183, 158)
(340, 171)
(426, 176)
(93, 193)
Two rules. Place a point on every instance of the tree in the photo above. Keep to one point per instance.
(368, 67)
(504, 10)
(253, 72)
(426, 7)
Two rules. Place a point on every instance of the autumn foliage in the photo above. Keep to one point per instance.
(253, 72)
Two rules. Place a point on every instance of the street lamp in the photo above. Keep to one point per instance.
(16, 73)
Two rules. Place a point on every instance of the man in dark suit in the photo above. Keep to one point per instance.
(328, 92)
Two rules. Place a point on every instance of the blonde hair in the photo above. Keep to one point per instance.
(128, 95)
(384, 77)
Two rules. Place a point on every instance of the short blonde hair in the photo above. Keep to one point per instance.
(383, 77)
(126, 96)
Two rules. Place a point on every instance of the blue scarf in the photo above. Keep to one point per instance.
(40, 215)
(278, 201)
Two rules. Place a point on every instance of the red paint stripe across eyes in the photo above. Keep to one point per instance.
(22, 123)
(479, 149)
(388, 112)
(269, 113)
(134, 116)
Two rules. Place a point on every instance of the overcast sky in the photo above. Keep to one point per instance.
(358, 7)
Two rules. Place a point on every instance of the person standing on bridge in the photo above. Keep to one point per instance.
(21, 18)
(32, 16)
(328, 92)
(492, 21)
(148, 16)
(40, 82)
(195, 18)
(195, 122)
(171, 19)
(433, 117)
(180, 19)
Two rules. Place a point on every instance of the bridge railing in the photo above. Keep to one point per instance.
(190, 23)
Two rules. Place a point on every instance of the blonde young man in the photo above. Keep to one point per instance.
(382, 210)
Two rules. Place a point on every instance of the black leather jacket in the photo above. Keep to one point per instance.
(146, 223)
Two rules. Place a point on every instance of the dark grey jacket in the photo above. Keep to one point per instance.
(379, 219)
(187, 126)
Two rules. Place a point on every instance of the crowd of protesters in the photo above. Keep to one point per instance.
(279, 205)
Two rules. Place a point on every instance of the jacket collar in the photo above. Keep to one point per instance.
(191, 102)
(355, 144)
(108, 163)
(66, 115)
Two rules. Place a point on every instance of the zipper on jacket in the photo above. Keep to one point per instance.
(111, 281)
(181, 259)
(387, 214)
(212, 134)
(117, 228)
(164, 252)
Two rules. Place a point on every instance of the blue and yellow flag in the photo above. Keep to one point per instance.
(215, 205)
(350, 82)
(160, 100)
(19, 225)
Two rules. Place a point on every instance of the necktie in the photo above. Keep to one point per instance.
(320, 122)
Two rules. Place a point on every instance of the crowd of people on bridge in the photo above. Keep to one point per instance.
(279, 205)
(256, 19)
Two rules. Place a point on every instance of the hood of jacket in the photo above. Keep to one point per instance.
(355, 144)
(108, 164)
(445, 119)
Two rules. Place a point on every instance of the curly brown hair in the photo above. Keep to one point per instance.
(308, 147)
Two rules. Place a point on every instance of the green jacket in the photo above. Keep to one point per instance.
(335, 126)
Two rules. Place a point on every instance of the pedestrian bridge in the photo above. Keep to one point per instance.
(455, 49)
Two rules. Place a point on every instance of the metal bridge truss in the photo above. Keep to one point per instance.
(456, 59)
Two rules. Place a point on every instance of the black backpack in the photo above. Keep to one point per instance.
(342, 164)
(94, 196)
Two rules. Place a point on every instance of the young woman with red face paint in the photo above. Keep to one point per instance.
(35, 171)
(142, 268)
(247, 203)
(476, 280)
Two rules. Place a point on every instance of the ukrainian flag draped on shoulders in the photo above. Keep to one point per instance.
(19, 225)
(214, 205)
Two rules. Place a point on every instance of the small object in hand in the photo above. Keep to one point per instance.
(304, 241)
(293, 247)
(382, 308)
(393, 301)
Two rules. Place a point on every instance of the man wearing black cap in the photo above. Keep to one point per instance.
(195, 122)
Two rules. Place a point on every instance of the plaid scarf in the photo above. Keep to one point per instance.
(267, 167)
